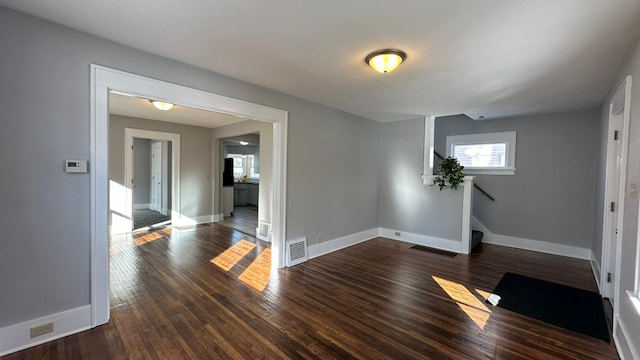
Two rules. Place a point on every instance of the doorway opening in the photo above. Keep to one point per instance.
(241, 199)
(104, 80)
(150, 173)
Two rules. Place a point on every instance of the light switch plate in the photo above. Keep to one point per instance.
(633, 190)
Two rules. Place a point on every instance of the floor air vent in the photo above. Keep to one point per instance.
(296, 251)
(263, 231)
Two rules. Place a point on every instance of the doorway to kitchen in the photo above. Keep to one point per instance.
(241, 182)
(104, 81)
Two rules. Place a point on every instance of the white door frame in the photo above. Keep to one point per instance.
(129, 135)
(156, 171)
(103, 80)
(611, 246)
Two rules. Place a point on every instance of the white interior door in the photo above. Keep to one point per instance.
(615, 190)
(613, 206)
(156, 176)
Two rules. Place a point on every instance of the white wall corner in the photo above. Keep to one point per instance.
(427, 179)
(263, 238)
(330, 246)
(218, 217)
(16, 337)
(595, 267)
(624, 341)
(190, 221)
(426, 240)
(428, 149)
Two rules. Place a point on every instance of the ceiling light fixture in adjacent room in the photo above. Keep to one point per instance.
(386, 60)
(161, 105)
(244, 143)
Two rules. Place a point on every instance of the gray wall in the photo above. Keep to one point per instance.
(407, 204)
(552, 195)
(195, 162)
(141, 169)
(332, 174)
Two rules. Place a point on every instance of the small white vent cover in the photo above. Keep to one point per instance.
(296, 251)
(263, 231)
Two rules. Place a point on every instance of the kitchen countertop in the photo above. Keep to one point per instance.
(250, 182)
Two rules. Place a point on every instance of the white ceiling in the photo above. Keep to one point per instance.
(142, 108)
(494, 57)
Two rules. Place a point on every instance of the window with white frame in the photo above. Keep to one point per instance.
(244, 164)
(485, 154)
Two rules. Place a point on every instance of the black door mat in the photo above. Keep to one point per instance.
(564, 306)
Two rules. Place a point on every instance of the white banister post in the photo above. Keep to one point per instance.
(467, 208)
(429, 127)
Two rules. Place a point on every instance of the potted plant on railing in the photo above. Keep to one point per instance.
(449, 174)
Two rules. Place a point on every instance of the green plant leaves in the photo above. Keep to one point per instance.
(449, 172)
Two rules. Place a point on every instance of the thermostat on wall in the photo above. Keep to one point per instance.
(75, 166)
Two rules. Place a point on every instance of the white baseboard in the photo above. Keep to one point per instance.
(595, 267)
(263, 238)
(218, 217)
(426, 240)
(16, 337)
(539, 246)
(626, 342)
(189, 221)
(340, 243)
(141, 206)
(533, 245)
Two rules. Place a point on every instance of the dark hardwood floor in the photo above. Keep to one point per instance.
(376, 300)
(244, 219)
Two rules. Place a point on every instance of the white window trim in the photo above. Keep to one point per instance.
(507, 137)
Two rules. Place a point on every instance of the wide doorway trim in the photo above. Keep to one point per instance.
(103, 80)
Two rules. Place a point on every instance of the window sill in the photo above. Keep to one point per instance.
(478, 171)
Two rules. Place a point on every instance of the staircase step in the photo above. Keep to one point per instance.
(476, 238)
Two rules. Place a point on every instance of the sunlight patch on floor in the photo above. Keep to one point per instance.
(466, 300)
(123, 242)
(257, 274)
(232, 255)
(484, 294)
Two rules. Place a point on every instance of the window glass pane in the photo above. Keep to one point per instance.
(250, 165)
(238, 165)
(481, 155)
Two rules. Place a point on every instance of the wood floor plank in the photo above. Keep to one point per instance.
(379, 299)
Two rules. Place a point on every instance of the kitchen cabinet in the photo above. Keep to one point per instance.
(252, 194)
(240, 194)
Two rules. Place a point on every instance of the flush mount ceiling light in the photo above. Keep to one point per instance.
(161, 105)
(386, 60)
(244, 143)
